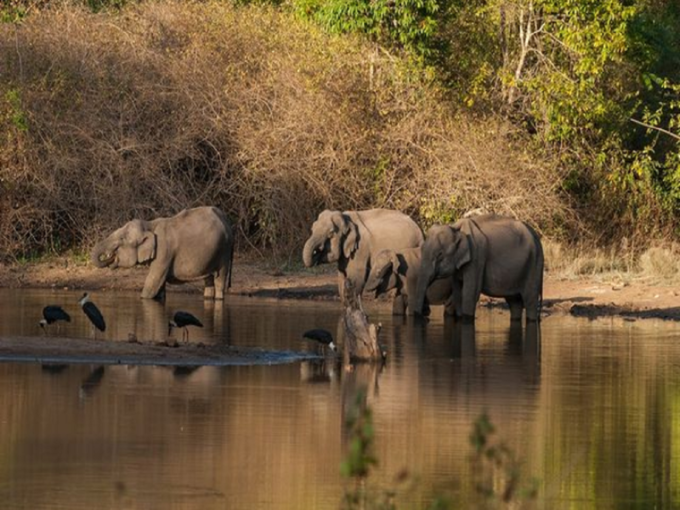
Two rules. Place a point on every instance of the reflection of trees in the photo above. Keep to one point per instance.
(594, 420)
(608, 436)
(451, 372)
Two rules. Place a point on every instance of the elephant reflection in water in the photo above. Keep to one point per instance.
(525, 342)
(149, 322)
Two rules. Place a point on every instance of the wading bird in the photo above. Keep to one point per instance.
(322, 336)
(93, 313)
(52, 314)
(182, 320)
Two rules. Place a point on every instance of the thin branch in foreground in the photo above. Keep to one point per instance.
(649, 126)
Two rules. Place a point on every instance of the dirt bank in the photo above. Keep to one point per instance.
(586, 297)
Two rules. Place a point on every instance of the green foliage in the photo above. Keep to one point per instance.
(498, 471)
(574, 73)
(435, 212)
(407, 24)
(360, 456)
(497, 468)
(16, 11)
(17, 116)
(101, 5)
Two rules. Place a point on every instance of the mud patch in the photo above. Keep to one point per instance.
(54, 351)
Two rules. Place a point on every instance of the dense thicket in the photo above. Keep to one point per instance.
(521, 107)
(169, 105)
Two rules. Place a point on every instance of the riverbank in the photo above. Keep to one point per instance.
(593, 296)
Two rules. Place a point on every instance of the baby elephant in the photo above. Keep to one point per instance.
(399, 270)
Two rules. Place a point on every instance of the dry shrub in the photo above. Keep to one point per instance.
(167, 105)
(661, 264)
(658, 264)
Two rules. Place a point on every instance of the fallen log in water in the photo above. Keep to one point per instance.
(361, 337)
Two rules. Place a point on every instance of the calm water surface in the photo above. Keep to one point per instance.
(591, 408)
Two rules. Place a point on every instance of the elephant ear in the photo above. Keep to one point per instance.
(350, 235)
(462, 252)
(146, 249)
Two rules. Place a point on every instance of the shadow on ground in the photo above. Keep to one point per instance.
(321, 292)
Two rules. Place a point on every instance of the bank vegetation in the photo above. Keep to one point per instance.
(273, 112)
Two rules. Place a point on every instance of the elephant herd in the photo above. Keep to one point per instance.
(377, 250)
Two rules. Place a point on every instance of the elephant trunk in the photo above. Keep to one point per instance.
(307, 253)
(102, 255)
(312, 254)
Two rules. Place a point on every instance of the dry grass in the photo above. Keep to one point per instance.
(658, 265)
(169, 105)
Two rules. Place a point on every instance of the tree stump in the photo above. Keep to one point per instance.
(361, 337)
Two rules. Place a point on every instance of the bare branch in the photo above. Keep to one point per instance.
(649, 126)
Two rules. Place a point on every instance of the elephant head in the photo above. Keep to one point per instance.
(334, 237)
(445, 250)
(134, 243)
(384, 273)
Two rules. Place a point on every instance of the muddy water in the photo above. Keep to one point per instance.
(591, 409)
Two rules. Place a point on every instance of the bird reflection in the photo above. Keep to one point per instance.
(53, 368)
(320, 371)
(91, 382)
(181, 371)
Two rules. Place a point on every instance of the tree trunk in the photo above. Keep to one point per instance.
(361, 337)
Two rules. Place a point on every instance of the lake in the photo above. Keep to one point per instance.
(584, 410)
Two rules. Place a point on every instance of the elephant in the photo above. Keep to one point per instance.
(194, 244)
(487, 254)
(351, 238)
(399, 270)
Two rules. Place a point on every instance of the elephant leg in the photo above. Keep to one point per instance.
(154, 285)
(160, 297)
(209, 291)
(450, 308)
(469, 303)
(516, 305)
(426, 308)
(221, 282)
(531, 300)
(457, 299)
(341, 286)
(399, 305)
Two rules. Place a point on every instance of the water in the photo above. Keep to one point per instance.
(591, 409)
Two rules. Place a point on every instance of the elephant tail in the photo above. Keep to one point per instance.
(231, 264)
(541, 267)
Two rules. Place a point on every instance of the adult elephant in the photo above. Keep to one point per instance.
(194, 244)
(487, 254)
(351, 238)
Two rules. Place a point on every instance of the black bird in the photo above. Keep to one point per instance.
(93, 313)
(322, 336)
(52, 314)
(182, 320)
